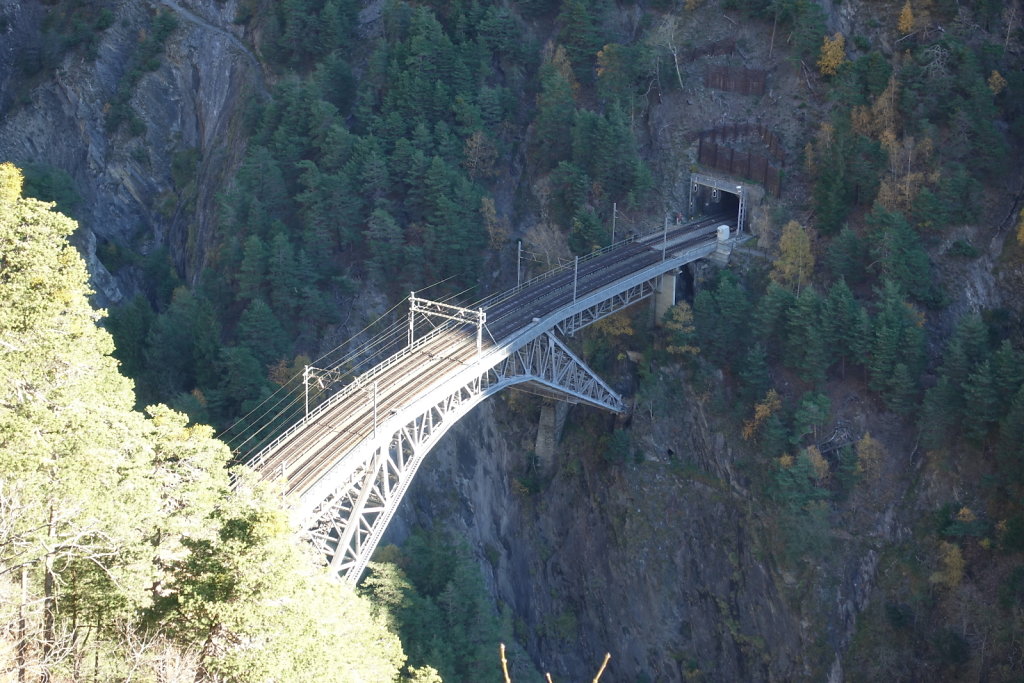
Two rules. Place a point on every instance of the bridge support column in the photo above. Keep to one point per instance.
(665, 298)
(549, 431)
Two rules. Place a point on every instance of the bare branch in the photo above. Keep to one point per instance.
(600, 672)
(504, 664)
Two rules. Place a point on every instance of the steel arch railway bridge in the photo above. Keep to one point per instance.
(347, 462)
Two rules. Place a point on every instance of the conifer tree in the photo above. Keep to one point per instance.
(862, 337)
(771, 314)
(181, 347)
(901, 391)
(897, 339)
(129, 325)
(754, 373)
(805, 338)
(252, 272)
(982, 403)
(839, 315)
(847, 256)
(553, 125)
(261, 333)
(833, 54)
(579, 32)
(1011, 440)
(682, 333)
(282, 275)
(384, 241)
(905, 23)
(1007, 370)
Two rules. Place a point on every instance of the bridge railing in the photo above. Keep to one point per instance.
(364, 379)
(358, 382)
(501, 297)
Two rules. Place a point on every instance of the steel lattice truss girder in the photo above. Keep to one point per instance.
(606, 307)
(347, 510)
(347, 524)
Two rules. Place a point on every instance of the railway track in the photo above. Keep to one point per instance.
(305, 453)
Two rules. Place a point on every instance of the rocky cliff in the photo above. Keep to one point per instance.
(661, 562)
(190, 107)
(669, 558)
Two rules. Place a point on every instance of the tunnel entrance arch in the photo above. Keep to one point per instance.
(710, 194)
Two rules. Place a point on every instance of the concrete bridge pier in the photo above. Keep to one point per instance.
(552, 420)
(665, 298)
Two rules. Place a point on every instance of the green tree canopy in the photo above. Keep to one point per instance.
(135, 549)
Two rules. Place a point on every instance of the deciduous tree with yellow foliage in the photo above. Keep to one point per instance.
(905, 24)
(833, 54)
(795, 264)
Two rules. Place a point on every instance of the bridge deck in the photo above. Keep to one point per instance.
(310, 449)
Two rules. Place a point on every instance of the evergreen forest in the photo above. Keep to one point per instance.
(855, 373)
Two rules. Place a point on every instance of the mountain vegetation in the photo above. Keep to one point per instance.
(126, 551)
(390, 157)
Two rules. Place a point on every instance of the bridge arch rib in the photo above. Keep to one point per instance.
(348, 462)
(349, 510)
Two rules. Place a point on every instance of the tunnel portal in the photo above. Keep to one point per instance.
(710, 195)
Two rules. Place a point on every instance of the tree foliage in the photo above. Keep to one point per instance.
(905, 23)
(795, 264)
(135, 549)
(833, 54)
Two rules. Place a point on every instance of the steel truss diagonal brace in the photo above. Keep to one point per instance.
(606, 307)
(347, 524)
(548, 362)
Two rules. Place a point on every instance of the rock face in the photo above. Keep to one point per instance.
(189, 106)
(655, 562)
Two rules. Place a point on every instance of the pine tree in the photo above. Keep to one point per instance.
(982, 403)
(900, 257)
(129, 325)
(252, 272)
(897, 339)
(1011, 440)
(811, 413)
(966, 350)
(706, 323)
(121, 521)
(771, 314)
(553, 124)
(862, 337)
(901, 392)
(578, 31)
(181, 347)
(847, 256)
(282, 275)
(735, 309)
(1007, 371)
(774, 436)
(384, 241)
(374, 177)
(755, 374)
(839, 315)
(261, 333)
(587, 232)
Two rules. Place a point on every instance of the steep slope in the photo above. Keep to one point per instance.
(151, 181)
(683, 547)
